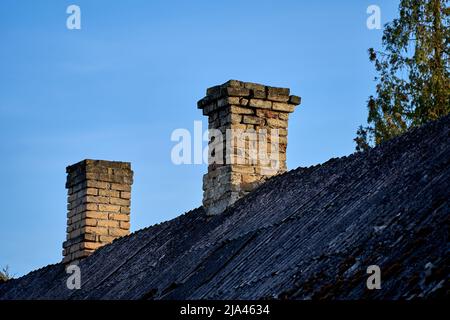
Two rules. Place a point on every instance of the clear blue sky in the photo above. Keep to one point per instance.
(117, 88)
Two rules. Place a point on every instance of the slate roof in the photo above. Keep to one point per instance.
(307, 234)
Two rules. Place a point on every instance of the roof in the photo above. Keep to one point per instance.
(309, 233)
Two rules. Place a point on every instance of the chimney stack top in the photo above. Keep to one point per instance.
(244, 91)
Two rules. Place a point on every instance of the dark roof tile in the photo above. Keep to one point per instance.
(309, 233)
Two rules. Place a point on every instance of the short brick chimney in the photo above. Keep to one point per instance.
(247, 121)
(99, 195)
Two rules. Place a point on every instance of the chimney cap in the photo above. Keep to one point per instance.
(101, 163)
(236, 88)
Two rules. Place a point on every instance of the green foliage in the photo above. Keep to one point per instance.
(413, 84)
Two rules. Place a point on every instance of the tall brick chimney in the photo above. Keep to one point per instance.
(244, 120)
(99, 195)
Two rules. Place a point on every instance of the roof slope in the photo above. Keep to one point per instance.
(310, 233)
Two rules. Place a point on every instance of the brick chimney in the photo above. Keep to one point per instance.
(247, 139)
(99, 195)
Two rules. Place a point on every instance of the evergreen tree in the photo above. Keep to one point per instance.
(4, 274)
(413, 83)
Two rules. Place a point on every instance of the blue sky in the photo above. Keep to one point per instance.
(117, 88)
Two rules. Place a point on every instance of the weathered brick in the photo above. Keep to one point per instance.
(125, 210)
(264, 114)
(120, 187)
(90, 237)
(244, 101)
(109, 193)
(236, 92)
(259, 103)
(252, 120)
(277, 123)
(278, 106)
(259, 94)
(240, 110)
(254, 86)
(98, 184)
(75, 233)
(278, 94)
(243, 169)
(125, 195)
(121, 172)
(107, 223)
(233, 83)
(226, 101)
(91, 245)
(124, 225)
(82, 254)
(95, 230)
(213, 90)
(250, 178)
(94, 215)
(119, 217)
(295, 100)
(97, 199)
(119, 201)
(90, 222)
(231, 118)
(74, 248)
(84, 207)
(283, 131)
(108, 208)
(74, 218)
(107, 239)
(117, 232)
